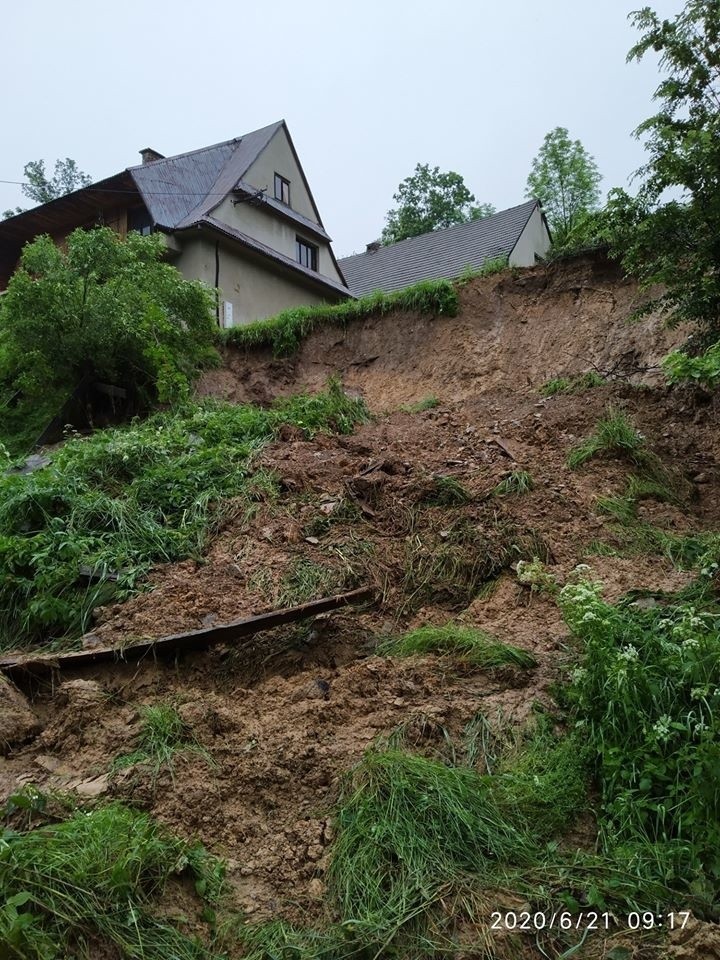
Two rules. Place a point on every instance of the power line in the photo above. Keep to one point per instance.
(147, 193)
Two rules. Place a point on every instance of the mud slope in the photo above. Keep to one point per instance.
(512, 331)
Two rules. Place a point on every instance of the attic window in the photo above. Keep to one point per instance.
(306, 253)
(282, 189)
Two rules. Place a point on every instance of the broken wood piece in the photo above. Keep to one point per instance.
(179, 642)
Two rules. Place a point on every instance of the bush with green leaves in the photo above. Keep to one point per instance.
(646, 695)
(127, 498)
(104, 308)
(703, 369)
(284, 332)
(97, 877)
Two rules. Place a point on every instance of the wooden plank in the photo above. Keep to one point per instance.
(179, 642)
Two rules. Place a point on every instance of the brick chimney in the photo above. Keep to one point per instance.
(148, 155)
(373, 247)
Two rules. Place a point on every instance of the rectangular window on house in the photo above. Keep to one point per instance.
(282, 189)
(306, 254)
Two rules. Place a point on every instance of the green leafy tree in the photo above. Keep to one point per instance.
(41, 188)
(565, 178)
(107, 308)
(429, 200)
(669, 234)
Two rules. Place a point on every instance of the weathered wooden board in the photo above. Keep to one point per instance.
(179, 642)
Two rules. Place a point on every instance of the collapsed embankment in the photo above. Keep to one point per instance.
(513, 331)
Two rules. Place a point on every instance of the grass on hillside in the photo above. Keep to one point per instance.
(420, 406)
(615, 435)
(127, 498)
(467, 644)
(516, 482)
(284, 332)
(97, 877)
(163, 735)
(446, 491)
(578, 383)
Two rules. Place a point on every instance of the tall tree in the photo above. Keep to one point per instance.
(428, 200)
(676, 242)
(41, 188)
(565, 178)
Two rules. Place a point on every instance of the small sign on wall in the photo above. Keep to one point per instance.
(228, 314)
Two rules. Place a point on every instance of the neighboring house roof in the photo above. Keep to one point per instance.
(442, 253)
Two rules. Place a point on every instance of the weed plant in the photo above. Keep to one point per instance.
(127, 498)
(284, 333)
(467, 644)
(446, 491)
(646, 695)
(97, 876)
(516, 483)
(163, 735)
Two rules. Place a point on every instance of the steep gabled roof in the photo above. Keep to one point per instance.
(442, 253)
(178, 191)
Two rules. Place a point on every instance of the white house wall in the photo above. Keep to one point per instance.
(254, 291)
(534, 239)
(264, 225)
(277, 157)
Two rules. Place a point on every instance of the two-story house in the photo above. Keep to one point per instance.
(238, 215)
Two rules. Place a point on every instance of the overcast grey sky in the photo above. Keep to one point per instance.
(368, 89)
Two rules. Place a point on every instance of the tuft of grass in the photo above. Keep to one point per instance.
(516, 482)
(163, 735)
(127, 498)
(427, 403)
(616, 435)
(97, 876)
(284, 333)
(414, 836)
(445, 491)
(467, 644)
(575, 384)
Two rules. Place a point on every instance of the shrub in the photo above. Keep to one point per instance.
(106, 308)
(284, 332)
(704, 369)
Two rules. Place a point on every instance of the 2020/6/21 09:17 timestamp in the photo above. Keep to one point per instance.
(587, 920)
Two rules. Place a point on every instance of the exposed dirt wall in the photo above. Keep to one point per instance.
(512, 331)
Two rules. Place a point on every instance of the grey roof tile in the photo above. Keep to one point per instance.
(181, 190)
(442, 253)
